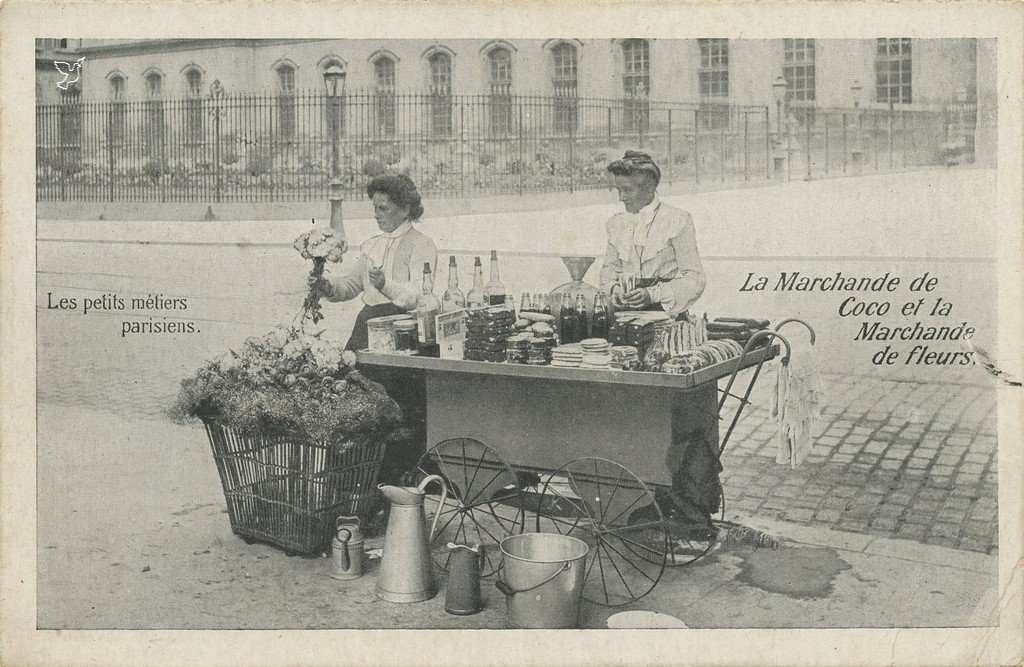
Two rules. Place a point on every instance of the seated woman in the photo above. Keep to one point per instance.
(388, 275)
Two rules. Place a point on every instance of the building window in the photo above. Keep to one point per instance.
(384, 74)
(636, 84)
(71, 119)
(892, 71)
(500, 64)
(565, 83)
(714, 69)
(440, 94)
(193, 105)
(155, 112)
(798, 68)
(117, 110)
(154, 85)
(713, 76)
(286, 102)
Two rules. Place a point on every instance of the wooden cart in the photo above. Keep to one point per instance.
(534, 420)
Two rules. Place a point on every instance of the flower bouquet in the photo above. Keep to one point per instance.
(321, 245)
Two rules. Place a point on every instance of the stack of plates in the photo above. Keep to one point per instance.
(567, 356)
(625, 357)
(596, 353)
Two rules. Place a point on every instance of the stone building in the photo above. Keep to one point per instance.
(740, 71)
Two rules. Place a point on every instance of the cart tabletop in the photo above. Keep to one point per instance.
(711, 373)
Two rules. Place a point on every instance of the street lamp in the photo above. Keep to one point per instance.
(334, 81)
(779, 89)
(857, 151)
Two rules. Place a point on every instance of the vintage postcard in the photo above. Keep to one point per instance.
(620, 334)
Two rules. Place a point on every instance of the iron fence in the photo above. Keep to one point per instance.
(286, 147)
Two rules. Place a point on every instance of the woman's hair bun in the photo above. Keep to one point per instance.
(400, 189)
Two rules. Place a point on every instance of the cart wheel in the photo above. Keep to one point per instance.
(609, 508)
(484, 502)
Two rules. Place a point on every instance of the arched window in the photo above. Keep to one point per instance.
(384, 77)
(286, 102)
(565, 84)
(154, 85)
(440, 94)
(154, 82)
(117, 110)
(116, 88)
(500, 66)
(194, 83)
(193, 105)
(636, 83)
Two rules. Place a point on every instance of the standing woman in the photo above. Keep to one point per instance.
(389, 276)
(389, 271)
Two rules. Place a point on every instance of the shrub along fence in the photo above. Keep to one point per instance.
(277, 147)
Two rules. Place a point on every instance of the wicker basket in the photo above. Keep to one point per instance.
(288, 492)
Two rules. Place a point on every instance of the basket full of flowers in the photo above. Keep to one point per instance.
(297, 433)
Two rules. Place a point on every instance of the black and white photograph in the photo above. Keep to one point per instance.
(377, 329)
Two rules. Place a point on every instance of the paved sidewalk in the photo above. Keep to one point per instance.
(154, 550)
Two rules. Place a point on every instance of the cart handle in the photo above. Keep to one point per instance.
(757, 371)
(796, 319)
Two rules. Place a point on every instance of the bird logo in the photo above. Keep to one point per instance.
(68, 70)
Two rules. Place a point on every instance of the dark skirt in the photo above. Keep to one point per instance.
(406, 386)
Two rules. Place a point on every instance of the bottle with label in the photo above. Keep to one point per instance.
(453, 298)
(494, 292)
(567, 321)
(599, 318)
(583, 321)
(475, 299)
(427, 308)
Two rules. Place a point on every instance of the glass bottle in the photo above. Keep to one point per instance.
(427, 308)
(475, 299)
(453, 299)
(525, 304)
(599, 318)
(583, 321)
(494, 292)
(567, 321)
(545, 304)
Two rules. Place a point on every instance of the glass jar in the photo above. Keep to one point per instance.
(406, 341)
(379, 336)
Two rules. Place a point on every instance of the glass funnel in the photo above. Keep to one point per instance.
(578, 265)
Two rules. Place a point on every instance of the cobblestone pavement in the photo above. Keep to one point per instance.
(902, 459)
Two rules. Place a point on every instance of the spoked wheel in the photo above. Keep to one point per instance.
(484, 503)
(609, 508)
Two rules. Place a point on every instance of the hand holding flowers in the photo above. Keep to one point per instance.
(322, 245)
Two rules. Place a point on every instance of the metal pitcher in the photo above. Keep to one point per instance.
(347, 549)
(462, 595)
(406, 568)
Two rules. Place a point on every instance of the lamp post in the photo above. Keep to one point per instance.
(779, 89)
(857, 150)
(334, 81)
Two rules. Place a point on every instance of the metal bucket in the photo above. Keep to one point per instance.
(542, 579)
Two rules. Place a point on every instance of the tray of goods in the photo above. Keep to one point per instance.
(636, 329)
(703, 356)
(527, 318)
(739, 329)
(625, 358)
(486, 332)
